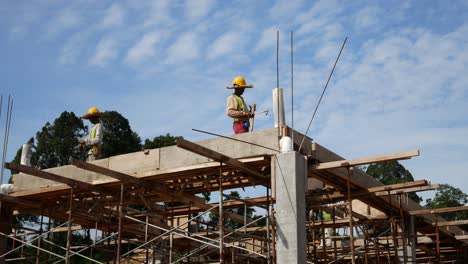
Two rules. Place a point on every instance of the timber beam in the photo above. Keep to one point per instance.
(363, 161)
(19, 201)
(206, 152)
(54, 177)
(438, 210)
(105, 171)
(416, 187)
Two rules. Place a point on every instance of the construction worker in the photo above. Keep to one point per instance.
(94, 139)
(236, 108)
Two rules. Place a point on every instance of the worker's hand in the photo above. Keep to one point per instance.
(82, 140)
(250, 115)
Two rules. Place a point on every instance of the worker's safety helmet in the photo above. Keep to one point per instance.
(92, 112)
(239, 82)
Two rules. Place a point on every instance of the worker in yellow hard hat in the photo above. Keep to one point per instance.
(236, 108)
(94, 139)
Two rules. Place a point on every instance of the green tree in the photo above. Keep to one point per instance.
(160, 141)
(449, 196)
(229, 223)
(118, 138)
(56, 144)
(392, 172)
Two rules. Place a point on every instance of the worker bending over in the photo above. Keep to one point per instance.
(236, 108)
(94, 139)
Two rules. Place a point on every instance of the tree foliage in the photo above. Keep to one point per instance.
(55, 144)
(449, 196)
(118, 138)
(160, 141)
(392, 172)
(231, 224)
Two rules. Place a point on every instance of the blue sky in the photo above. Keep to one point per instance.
(401, 82)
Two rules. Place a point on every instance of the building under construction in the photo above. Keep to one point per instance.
(127, 203)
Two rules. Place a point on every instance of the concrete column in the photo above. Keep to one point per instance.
(291, 186)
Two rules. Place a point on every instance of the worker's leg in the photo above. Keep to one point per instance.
(239, 127)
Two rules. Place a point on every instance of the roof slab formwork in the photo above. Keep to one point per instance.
(131, 198)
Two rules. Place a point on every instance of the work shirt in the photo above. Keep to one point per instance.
(235, 106)
(94, 139)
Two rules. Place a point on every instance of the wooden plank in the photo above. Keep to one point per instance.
(19, 201)
(438, 210)
(54, 177)
(398, 188)
(461, 237)
(452, 223)
(200, 150)
(105, 171)
(367, 160)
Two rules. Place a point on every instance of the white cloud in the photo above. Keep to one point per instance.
(198, 8)
(114, 16)
(283, 8)
(224, 44)
(72, 48)
(268, 39)
(65, 20)
(159, 11)
(185, 48)
(367, 18)
(105, 52)
(144, 48)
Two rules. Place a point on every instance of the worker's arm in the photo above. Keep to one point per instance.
(231, 109)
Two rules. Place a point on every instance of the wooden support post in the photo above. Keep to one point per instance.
(119, 238)
(413, 237)
(324, 243)
(366, 247)
(67, 254)
(38, 252)
(221, 220)
(376, 244)
(268, 226)
(146, 240)
(335, 255)
(171, 236)
(437, 239)
(403, 229)
(350, 216)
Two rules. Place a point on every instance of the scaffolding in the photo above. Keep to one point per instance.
(133, 217)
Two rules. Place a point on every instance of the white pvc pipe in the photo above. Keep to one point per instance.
(278, 107)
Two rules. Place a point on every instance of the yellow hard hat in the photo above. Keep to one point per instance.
(92, 112)
(239, 82)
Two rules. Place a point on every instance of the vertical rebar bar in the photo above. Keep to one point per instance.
(350, 216)
(277, 82)
(292, 88)
(67, 255)
(6, 136)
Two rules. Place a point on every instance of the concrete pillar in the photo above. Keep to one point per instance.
(291, 186)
